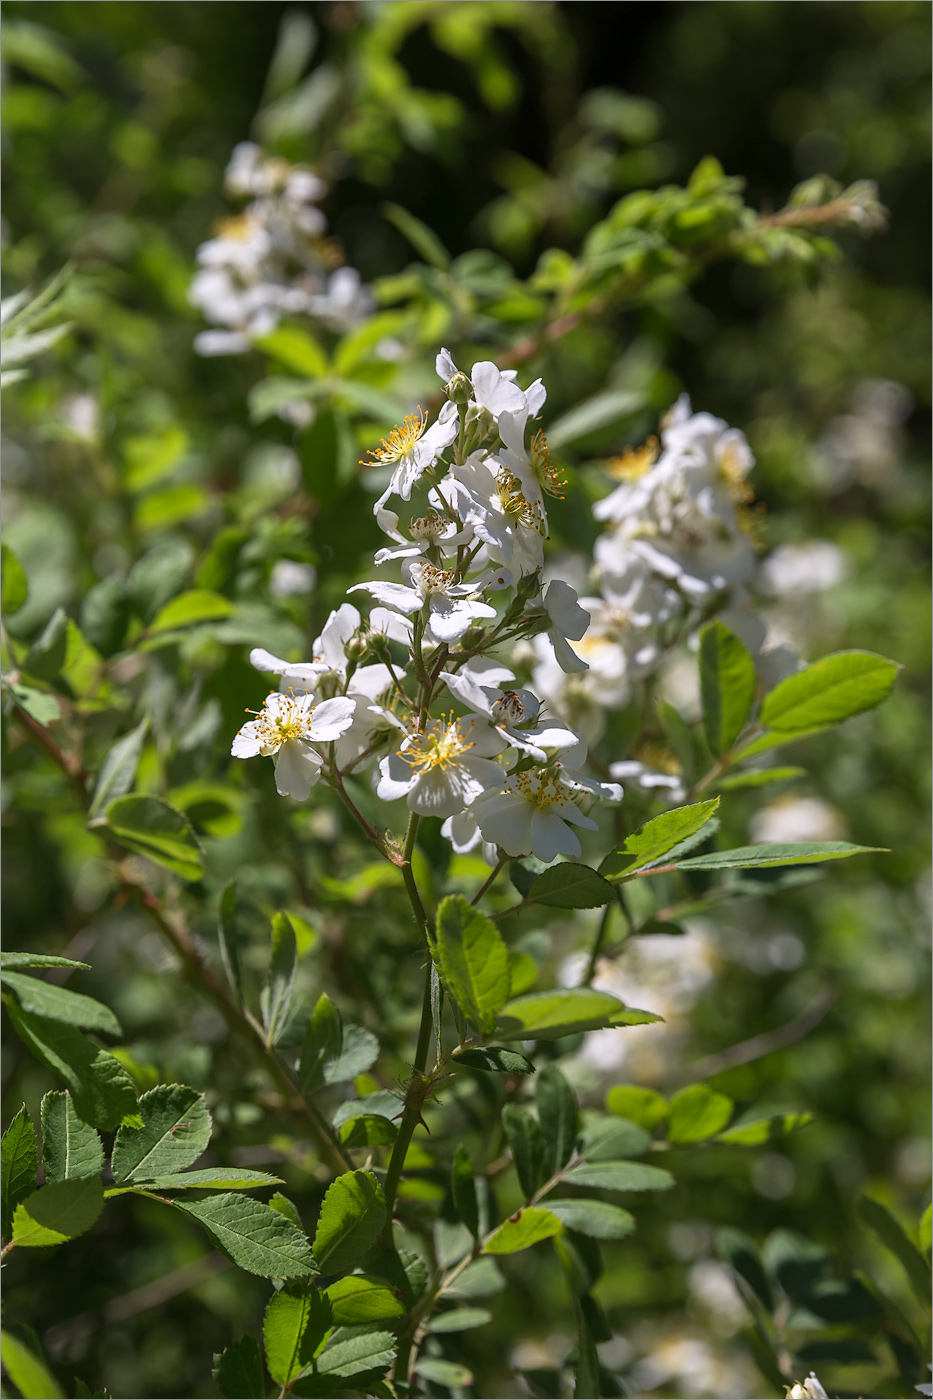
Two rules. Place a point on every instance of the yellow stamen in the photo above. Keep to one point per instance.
(634, 462)
(551, 478)
(439, 745)
(543, 790)
(400, 442)
(515, 503)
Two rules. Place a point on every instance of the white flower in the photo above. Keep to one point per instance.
(451, 610)
(530, 815)
(495, 389)
(654, 782)
(444, 767)
(463, 834)
(431, 531)
(810, 1389)
(537, 475)
(411, 449)
(794, 570)
(508, 709)
(330, 664)
(285, 729)
(568, 619)
(488, 497)
(346, 302)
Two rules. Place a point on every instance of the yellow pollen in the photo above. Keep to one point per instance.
(551, 478)
(400, 442)
(238, 227)
(434, 580)
(427, 527)
(749, 512)
(291, 721)
(516, 504)
(634, 462)
(439, 745)
(543, 790)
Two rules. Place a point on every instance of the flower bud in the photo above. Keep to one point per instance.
(459, 389)
(480, 427)
(472, 638)
(357, 647)
(529, 585)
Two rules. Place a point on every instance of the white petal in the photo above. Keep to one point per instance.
(246, 744)
(331, 718)
(567, 658)
(370, 681)
(494, 391)
(396, 778)
(564, 610)
(535, 396)
(465, 688)
(395, 595)
(337, 631)
(551, 837)
(396, 628)
(486, 671)
(297, 769)
(462, 832)
(506, 820)
(264, 661)
(445, 366)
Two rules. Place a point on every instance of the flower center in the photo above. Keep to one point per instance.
(543, 790)
(434, 580)
(427, 527)
(515, 503)
(400, 442)
(508, 709)
(238, 228)
(439, 745)
(551, 478)
(634, 462)
(290, 719)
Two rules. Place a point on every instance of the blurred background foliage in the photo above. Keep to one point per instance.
(507, 128)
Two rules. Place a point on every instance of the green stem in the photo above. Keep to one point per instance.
(598, 943)
(487, 883)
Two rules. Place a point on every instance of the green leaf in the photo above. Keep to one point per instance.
(829, 691)
(102, 1091)
(361, 1299)
(204, 1179)
(523, 1229)
(737, 1249)
(118, 770)
(321, 1045)
(459, 1320)
(557, 1113)
(197, 605)
(550, 1015)
(296, 349)
(473, 961)
(285, 1207)
(760, 857)
(368, 1130)
(57, 1212)
(38, 960)
(607, 1139)
(256, 1237)
(463, 1191)
(773, 739)
(152, 827)
(14, 589)
(421, 238)
(895, 1238)
(926, 1229)
(105, 615)
(759, 777)
(620, 1176)
(523, 972)
(657, 837)
(529, 1153)
(238, 1371)
(228, 937)
(697, 1113)
(297, 1320)
(602, 411)
(277, 993)
(43, 708)
(177, 1128)
(756, 1128)
(727, 685)
(643, 1106)
(352, 1216)
(446, 1373)
(27, 1371)
(358, 1052)
(384, 1103)
(59, 1004)
(568, 886)
(496, 1059)
(70, 1148)
(18, 1163)
(153, 457)
(598, 1219)
(354, 1353)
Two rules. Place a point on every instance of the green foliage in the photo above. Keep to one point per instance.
(829, 691)
(657, 837)
(57, 1212)
(27, 1371)
(727, 685)
(100, 1087)
(176, 1128)
(551, 1015)
(154, 828)
(598, 1219)
(254, 1236)
(522, 1230)
(297, 1319)
(19, 1160)
(238, 1371)
(70, 1148)
(697, 1113)
(473, 962)
(352, 1216)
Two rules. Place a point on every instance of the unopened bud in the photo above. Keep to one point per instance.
(472, 638)
(357, 647)
(529, 585)
(459, 389)
(480, 427)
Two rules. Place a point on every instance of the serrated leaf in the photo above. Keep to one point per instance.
(496, 1059)
(459, 1320)
(829, 691)
(473, 961)
(727, 685)
(526, 1141)
(361, 1299)
(598, 1219)
(368, 1130)
(354, 1353)
(384, 1103)
(359, 1051)
(256, 1237)
(775, 853)
(14, 589)
(894, 1237)
(697, 1113)
(238, 1371)
(38, 960)
(285, 1207)
(102, 1091)
(118, 770)
(352, 1216)
(463, 1190)
(197, 605)
(204, 1179)
(152, 827)
(59, 1004)
(18, 1164)
(759, 777)
(177, 1129)
(620, 1176)
(321, 1046)
(658, 836)
(57, 1212)
(520, 1231)
(550, 1015)
(608, 1139)
(297, 1320)
(70, 1147)
(27, 1371)
(643, 1106)
(277, 995)
(569, 886)
(558, 1114)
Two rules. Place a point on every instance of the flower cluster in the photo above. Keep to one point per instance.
(271, 259)
(437, 710)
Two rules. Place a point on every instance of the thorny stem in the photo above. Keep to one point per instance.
(176, 934)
